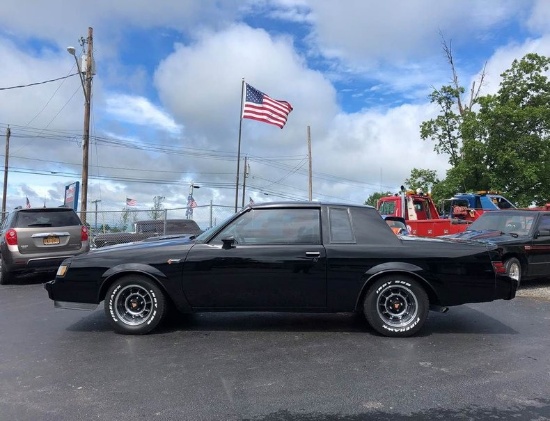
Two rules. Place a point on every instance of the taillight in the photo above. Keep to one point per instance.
(499, 267)
(83, 233)
(11, 237)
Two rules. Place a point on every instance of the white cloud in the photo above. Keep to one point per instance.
(192, 107)
(139, 111)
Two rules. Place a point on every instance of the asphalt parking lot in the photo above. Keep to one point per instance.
(480, 361)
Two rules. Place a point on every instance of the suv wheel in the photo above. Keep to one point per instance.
(5, 276)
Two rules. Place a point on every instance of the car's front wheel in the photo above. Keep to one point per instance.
(396, 305)
(513, 269)
(135, 305)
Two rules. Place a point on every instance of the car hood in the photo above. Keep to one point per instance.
(142, 247)
(492, 236)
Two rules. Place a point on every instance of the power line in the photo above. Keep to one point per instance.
(38, 83)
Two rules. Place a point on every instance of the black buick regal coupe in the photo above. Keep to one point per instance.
(285, 256)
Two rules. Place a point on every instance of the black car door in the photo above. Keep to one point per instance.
(272, 259)
(539, 251)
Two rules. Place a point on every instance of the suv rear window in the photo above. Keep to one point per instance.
(39, 218)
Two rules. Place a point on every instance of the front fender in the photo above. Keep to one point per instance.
(171, 287)
(133, 267)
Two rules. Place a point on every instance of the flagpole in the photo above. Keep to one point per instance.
(239, 148)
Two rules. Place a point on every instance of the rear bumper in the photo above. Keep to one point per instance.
(20, 266)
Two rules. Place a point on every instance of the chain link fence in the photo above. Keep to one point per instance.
(124, 221)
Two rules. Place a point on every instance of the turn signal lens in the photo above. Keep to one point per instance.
(84, 233)
(499, 267)
(62, 270)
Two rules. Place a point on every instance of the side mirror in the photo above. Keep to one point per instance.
(228, 242)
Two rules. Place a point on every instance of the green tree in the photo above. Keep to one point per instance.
(421, 179)
(447, 131)
(157, 211)
(512, 129)
(373, 198)
(500, 141)
(127, 219)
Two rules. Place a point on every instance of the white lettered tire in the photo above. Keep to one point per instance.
(396, 305)
(134, 305)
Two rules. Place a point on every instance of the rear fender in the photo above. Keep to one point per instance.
(410, 270)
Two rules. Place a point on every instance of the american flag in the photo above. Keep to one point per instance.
(28, 204)
(251, 200)
(190, 205)
(259, 106)
(131, 202)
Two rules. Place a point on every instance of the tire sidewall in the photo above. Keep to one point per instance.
(370, 306)
(5, 276)
(509, 263)
(157, 314)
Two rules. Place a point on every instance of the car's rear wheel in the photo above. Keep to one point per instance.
(5, 276)
(135, 305)
(396, 305)
(513, 269)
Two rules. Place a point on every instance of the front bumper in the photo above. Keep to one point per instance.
(71, 295)
(506, 287)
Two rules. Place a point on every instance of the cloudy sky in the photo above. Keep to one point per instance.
(167, 92)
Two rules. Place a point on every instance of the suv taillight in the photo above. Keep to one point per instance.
(11, 237)
(83, 233)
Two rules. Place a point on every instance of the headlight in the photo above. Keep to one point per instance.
(62, 270)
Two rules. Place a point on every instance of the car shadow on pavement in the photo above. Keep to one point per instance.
(464, 319)
(461, 319)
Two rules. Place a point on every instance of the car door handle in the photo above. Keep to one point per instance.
(313, 254)
(172, 261)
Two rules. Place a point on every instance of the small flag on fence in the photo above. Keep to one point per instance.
(251, 201)
(261, 107)
(28, 204)
(131, 202)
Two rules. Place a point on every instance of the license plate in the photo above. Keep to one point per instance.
(48, 241)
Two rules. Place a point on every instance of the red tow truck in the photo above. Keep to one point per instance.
(424, 219)
(421, 214)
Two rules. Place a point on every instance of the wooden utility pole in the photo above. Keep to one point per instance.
(86, 136)
(6, 159)
(309, 156)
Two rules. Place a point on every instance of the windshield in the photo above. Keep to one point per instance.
(504, 222)
(387, 208)
(202, 237)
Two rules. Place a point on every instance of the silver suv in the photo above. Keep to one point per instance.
(37, 240)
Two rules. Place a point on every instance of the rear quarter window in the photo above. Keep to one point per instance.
(340, 226)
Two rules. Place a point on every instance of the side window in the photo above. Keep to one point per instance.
(340, 226)
(274, 226)
(545, 222)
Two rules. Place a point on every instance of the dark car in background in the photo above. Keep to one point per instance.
(37, 240)
(288, 256)
(151, 230)
(522, 236)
